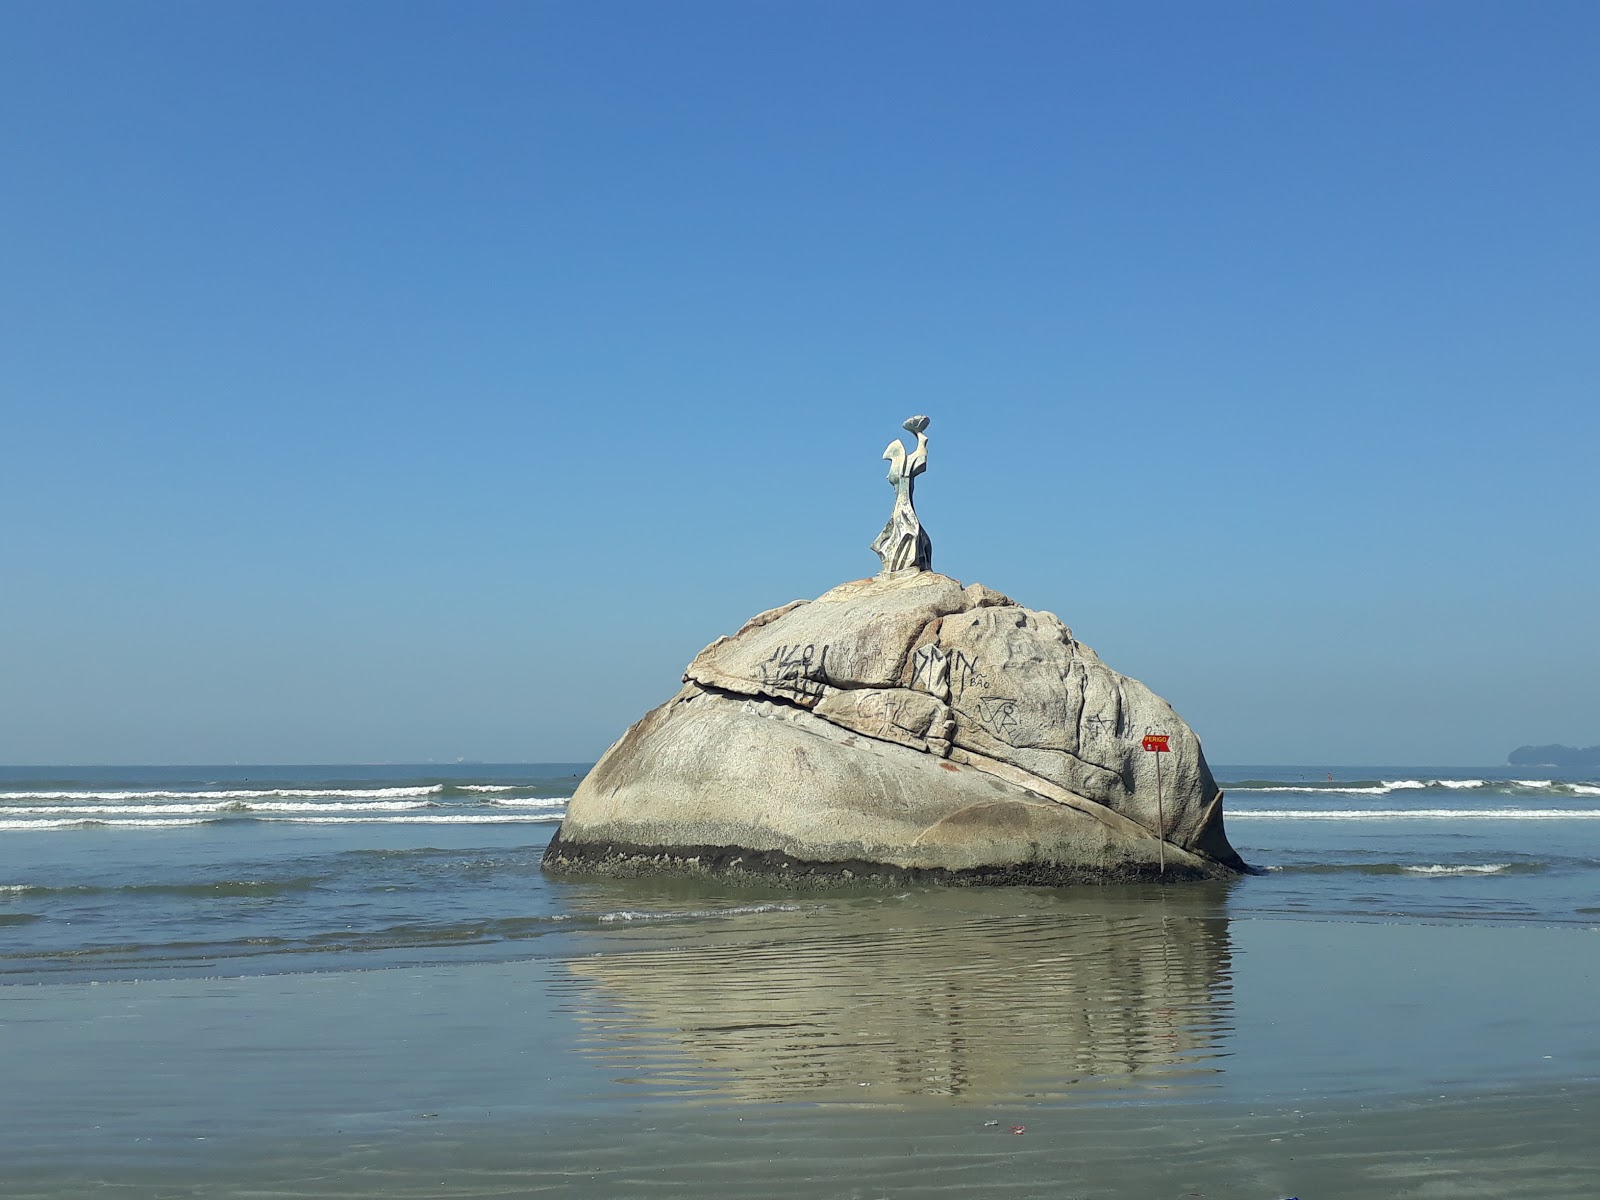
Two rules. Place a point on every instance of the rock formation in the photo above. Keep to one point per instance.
(897, 728)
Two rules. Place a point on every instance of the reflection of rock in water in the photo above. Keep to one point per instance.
(922, 995)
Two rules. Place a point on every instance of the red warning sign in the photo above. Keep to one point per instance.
(1157, 743)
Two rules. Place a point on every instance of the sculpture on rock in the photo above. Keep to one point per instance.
(903, 728)
(904, 544)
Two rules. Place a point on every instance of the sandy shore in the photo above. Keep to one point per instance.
(1149, 1044)
(1513, 1143)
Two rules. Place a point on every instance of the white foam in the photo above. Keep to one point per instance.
(532, 802)
(91, 823)
(1418, 814)
(1310, 790)
(233, 794)
(106, 810)
(1506, 786)
(737, 910)
(1471, 869)
(340, 806)
(441, 819)
(235, 806)
(493, 787)
(82, 820)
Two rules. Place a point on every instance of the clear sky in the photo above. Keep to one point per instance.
(395, 381)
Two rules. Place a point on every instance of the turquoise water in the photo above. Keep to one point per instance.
(355, 981)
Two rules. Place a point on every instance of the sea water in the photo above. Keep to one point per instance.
(355, 981)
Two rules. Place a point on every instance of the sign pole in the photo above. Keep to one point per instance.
(1161, 821)
(1159, 744)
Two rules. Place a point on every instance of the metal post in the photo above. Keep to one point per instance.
(1161, 820)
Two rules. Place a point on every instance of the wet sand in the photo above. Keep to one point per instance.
(1519, 1143)
(1149, 1044)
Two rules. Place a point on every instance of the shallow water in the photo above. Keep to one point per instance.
(364, 1006)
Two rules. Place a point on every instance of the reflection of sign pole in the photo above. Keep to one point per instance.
(1156, 743)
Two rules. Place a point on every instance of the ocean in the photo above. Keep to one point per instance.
(354, 981)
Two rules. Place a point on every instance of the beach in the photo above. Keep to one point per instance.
(256, 981)
(903, 433)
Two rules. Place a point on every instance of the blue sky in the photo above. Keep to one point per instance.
(420, 381)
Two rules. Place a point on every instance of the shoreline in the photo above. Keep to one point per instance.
(1525, 1143)
(1149, 1048)
(324, 996)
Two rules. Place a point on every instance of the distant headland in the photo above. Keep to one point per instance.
(1555, 756)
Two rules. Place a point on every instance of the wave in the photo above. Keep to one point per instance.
(737, 910)
(387, 793)
(1418, 814)
(224, 806)
(1429, 869)
(8, 824)
(492, 787)
(1321, 790)
(1384, 787)
(530, 802)
(435, 819)
(203, 888)
(343, 940)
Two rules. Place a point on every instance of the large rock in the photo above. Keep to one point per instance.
(902, 727)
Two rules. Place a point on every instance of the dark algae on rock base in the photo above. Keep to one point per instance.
(898, 729)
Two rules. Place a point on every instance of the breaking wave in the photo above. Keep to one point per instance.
(1384, 787)
(1393, 868)
(208, 806)
(437, 819)
(212, 796)
(199, 888)
(82, 821)
(734, 911)
(1417, 814)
